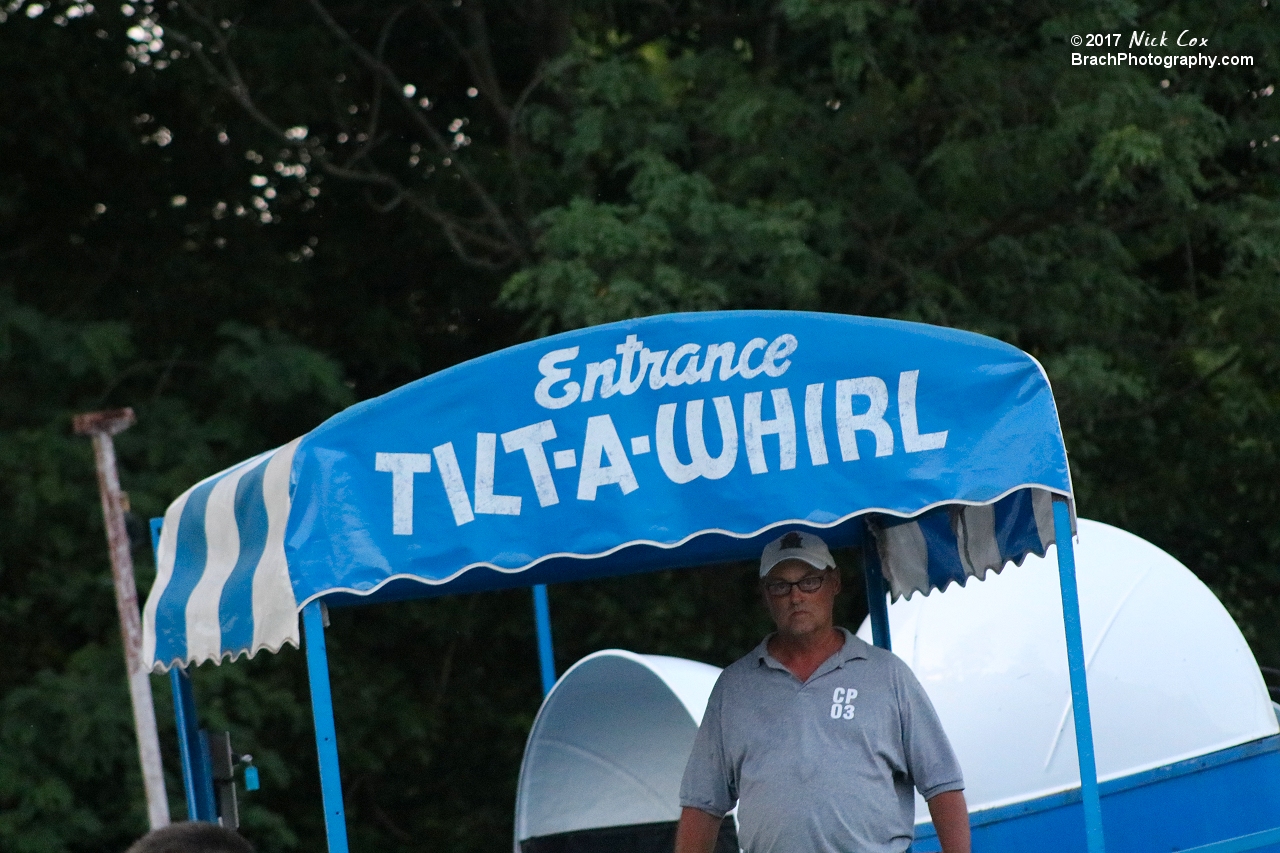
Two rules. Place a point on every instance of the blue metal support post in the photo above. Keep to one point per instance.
(546, 652)
(197, 774)
(877, 595)
(202, 765)
(181, 686)
(1079, 687)
(335, 819)
(197, 781)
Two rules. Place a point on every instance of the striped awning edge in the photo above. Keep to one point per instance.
(240, 599)
(950, 544)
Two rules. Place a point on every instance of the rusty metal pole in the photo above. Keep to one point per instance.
(100, 426)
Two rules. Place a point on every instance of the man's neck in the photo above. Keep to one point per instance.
(802, 654)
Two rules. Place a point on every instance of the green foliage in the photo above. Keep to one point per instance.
(68, 770)
(165, 244)
(58, 739)
(274, 368)
(675, 249)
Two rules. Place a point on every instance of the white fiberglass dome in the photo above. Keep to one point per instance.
(610, 743)
(1170, 675)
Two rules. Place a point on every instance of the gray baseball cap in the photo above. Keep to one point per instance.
(796, 545)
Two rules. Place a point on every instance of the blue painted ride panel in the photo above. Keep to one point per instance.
(1266, 840)
(1215, 797)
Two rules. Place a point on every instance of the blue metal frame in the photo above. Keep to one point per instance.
(207, 801)
(1190, 805)
(1252, 841)
(877, 595)
(197, 775)
(335, 818)
(546, 652)
(181, 685)
(1090, 797)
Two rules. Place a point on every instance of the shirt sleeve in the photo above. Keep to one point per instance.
(931, 761)
(708, 783)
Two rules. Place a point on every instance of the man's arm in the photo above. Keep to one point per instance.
(697, 831)
(950, 817)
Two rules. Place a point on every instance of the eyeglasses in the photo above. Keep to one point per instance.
(808, 583)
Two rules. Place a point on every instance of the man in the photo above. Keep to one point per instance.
(191, 837)
(819, 737)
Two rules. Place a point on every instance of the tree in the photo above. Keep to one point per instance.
(925, 161)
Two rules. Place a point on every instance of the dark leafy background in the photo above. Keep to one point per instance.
(239, 218)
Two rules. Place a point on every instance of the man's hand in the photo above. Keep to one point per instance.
(950, 817)
(697, 831)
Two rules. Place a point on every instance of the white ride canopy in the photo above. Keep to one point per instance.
(1170, 675)
(610, 743)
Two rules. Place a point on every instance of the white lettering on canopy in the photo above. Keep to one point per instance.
(783, 425)
(604, 461)
(454, 488)
(556, 389)
(599, 372)
(912, 440)
(848, 424)
(487, 503)
(722, 353)
(628, 349)
(745, 370)
(402, 467)
(602, 441)
(701, 464)
(531, 439)
(813, 424)
(552, 375)
(689, 375)
(775, 357)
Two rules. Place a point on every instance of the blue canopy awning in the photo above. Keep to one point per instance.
(666, 441)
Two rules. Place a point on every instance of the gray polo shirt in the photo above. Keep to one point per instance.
(826, 765)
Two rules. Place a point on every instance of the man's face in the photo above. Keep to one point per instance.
(798, 613)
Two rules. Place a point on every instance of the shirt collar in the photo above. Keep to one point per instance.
(852, 649)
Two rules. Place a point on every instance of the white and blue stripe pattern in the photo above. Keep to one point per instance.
(232, 594)
(955, 542)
